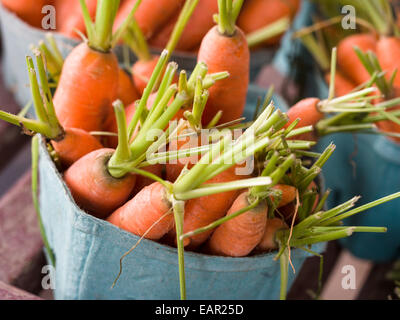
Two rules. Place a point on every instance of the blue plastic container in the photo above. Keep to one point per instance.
(362, 164)
(88, 250)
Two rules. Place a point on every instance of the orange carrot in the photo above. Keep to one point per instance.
(225, 48)
(89, 79)
(198, 26)
(74, 144)
(307, 111)
(240, 235)
(343, 85)
(127, 91)
(92, 186)
(28, 10)
(348, 61)
(268, 241)
(205, 210)
(142, 71)
(257, 14)
(288, 194)
(151, 200)
(70, 144)
(69, 16)
(388, 50)
(136, 39)
(151, 14)
(88, 86)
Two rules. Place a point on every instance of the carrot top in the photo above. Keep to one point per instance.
(228, 13)
(100, 33)
(47, 123)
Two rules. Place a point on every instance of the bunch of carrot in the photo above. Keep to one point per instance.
(379, 43)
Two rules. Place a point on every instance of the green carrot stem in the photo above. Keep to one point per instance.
(227, 16)
(32, 125)
(216, 188)
(165, 84)
(321, 203)
(56, 53)
(141, 143)
(103, 26)
(271, 164)
(90, 29)
(179, 211)
(34, 186)
(284, 264)
(272, 30)
(361, 209)
(136, 40)
(345, 128)
(215, 120)
(147, 92)
(319, 53)
(35, 91)
(333, 74)
(47, 96)
(300, 131)
(125, 24)
(122, 154)
(321, 268)
(317, 218)
(238, 153)
(166, 157)
(184, 17)
(377, 19)
(189, 180)
(158, 109)
(219, 222)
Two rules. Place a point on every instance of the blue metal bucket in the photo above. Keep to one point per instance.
(88, 250)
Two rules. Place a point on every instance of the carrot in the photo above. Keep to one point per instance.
(343, 85)
(348, 61)
(239, 236)
(151, 14)
(225, 48)
(127, 91)
(268, 241)
(89, 80)
(288, 194)
(202, 211)
(111, 170)
(154, 202)
(243, 226)
(136, 39)
(198, 26)
(256, 14)
(70, 144)
(93, 188)
(69, 16)
(307, 111)
(28, 10)
(388, 49)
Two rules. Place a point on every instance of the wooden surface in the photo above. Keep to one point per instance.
(21, 256)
